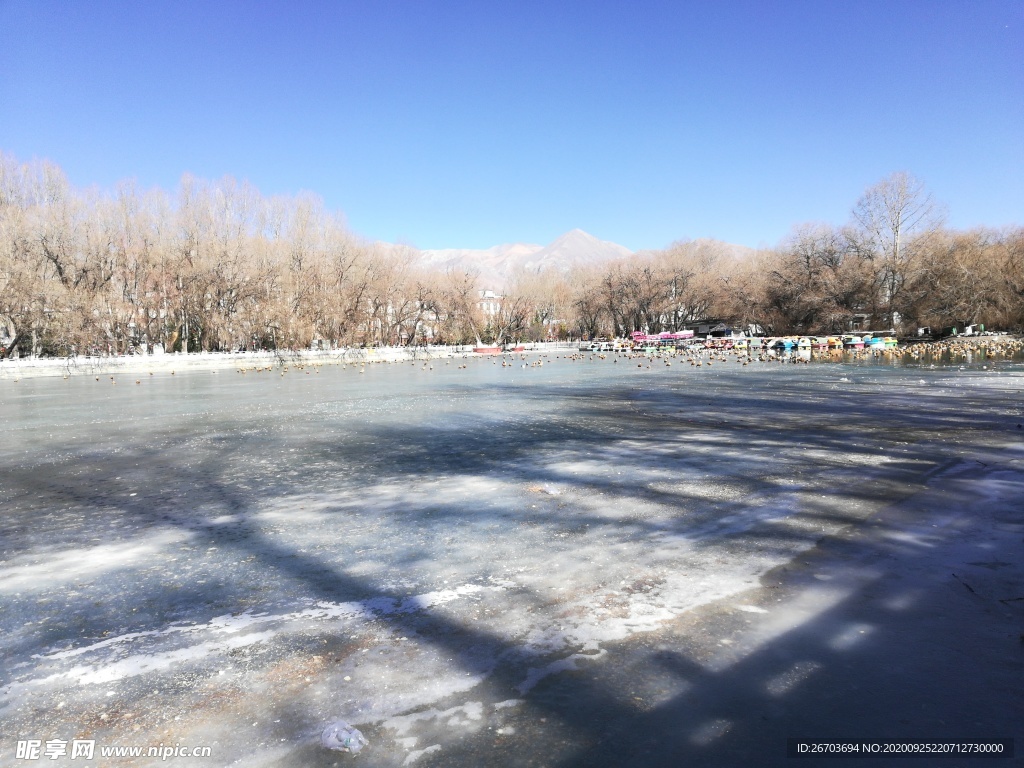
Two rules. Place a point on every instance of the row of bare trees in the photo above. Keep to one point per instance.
(220, 267)
(893, 266)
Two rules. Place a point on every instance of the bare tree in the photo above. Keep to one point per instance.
(588, 302)
(693, 274)
(816, 281)
(890, 220)
(461, 318)
(515, 311)
(1008, 255)
(220, 267)
(549, 297)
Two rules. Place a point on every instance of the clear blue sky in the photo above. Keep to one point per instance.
(467, 124)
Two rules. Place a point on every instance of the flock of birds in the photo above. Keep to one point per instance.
(695, 357)
(953, 350)
(1000, 346)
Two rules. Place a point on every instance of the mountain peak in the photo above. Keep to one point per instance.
(497, 265)
(577, 246)
(576, 234)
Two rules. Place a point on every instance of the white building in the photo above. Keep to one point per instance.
(489, 303)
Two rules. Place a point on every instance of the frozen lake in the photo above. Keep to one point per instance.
(529, 565)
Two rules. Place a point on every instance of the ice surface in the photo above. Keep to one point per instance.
(421, 551)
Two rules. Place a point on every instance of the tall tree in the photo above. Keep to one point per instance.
(891, 220)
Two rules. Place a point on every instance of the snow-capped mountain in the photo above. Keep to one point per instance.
(499, 263)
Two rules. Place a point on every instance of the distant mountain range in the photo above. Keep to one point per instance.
(499, 263)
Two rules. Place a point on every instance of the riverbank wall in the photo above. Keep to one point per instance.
(208, 361)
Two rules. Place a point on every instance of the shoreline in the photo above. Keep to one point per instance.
(66, 367)
(39, 367)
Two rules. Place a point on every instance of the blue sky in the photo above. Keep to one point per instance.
(468, 124)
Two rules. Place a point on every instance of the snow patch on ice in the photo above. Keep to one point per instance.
(507, 703)
(535, 674)
(402, 724)
(236, 626)
(412, 757)
(142, 663)
(84, 563)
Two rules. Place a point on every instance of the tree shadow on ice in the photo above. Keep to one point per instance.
(590, 709)
(212, 481)
(890, 646)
